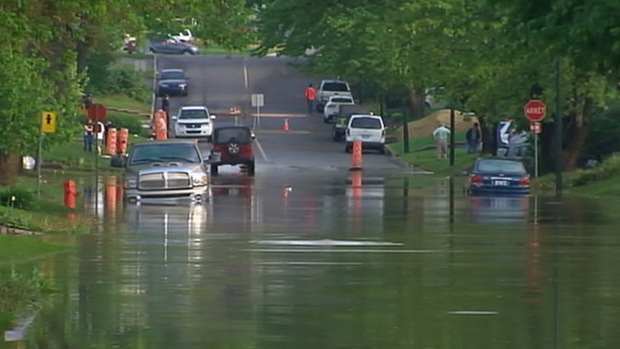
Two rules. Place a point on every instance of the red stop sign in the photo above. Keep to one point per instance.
(97, 112)
(535, 110)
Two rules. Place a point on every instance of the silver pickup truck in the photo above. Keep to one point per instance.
(165, 170)
(330, 88)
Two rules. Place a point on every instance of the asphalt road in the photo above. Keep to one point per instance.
(221, 83)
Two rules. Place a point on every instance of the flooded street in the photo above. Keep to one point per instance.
(300, 260)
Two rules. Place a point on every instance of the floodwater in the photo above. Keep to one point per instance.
(302, 261)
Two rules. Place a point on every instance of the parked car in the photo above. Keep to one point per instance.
(331, 108)
(184, 36)
(330, 88)
(164, 170)
(369, 129)
(232, 145)
(342, 119)
(173, 46)
(194, 122)
(498, 176)
(172, 82)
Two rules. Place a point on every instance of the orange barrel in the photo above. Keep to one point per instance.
(161, 131)
(110, 194)
(356, 156)
(122, 139)
(70, 193)
(110, 144)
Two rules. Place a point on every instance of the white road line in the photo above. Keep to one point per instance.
(260, 149)
(245, 75)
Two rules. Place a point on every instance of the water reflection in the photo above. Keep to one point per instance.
(347, 257)
(500, 209)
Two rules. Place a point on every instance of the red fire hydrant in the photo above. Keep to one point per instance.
(70, 193)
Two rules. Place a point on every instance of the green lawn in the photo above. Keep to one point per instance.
(20, 248)
(122, 102)
(427, 159)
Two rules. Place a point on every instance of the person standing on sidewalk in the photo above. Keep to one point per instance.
(441, 135)
(89, 130)
(473, 137)
(310, 97)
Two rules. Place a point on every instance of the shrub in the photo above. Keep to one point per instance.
(609, 168)
(18, 198)
(122, 80)
(131, 122)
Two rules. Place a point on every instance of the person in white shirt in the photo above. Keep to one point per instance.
(441, 135)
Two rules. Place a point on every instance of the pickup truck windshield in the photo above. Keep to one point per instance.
(182, 152)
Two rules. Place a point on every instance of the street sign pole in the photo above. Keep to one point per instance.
(39, 161)
(535, 155)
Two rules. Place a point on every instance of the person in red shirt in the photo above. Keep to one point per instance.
(310, 97)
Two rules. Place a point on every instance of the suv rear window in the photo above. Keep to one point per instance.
(367, 123)
(335, 86)
(193, 114)
(233, 135)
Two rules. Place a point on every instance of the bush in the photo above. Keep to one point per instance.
(18, 198)
(131, 122)
(122, 80)
(609, 168)
(603, 134)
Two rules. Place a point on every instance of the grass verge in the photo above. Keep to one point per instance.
(424, 156)
(122, 102)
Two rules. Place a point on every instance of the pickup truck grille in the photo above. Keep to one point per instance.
(164, 180)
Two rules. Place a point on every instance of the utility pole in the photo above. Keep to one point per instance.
(452, 131)
(558, 155)
(405, 129)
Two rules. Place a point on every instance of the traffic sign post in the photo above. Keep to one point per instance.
(258, 100)
(535, 111)
(48, 125)
(48, 122)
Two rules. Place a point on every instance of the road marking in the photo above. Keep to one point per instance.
(336, 250)
(260, 149)
(282, 132)
(279, 115)
(245, 75)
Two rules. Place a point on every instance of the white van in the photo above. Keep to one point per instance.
(369, 129)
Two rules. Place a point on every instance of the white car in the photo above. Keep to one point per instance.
(331, 108)
(330, 88)
(184, 36)
(369, 129)
(193, 122)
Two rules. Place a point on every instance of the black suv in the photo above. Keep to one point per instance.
(232, 145)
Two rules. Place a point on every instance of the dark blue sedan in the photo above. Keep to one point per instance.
(498, 176)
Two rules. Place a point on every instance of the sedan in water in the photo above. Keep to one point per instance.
(498, 176)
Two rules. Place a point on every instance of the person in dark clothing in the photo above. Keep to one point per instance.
(165, 106)
(473, 137)
(89, 130)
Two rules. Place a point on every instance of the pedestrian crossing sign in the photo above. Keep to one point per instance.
(48, 122)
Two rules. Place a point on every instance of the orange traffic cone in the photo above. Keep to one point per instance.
(285, 126)
(356, 156)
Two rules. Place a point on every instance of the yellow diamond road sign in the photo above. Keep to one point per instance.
(48, 122)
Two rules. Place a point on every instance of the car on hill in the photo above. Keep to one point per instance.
(172, 82)
(498, 176)
(330, 88)
(173, 46)
(193, 122)
(232, 145)
(330, 111)
(369, 129)
(164, 170)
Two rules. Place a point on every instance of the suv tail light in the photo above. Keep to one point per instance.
(348, 132)
(382, 133)
(525, 181)
(476, 179)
